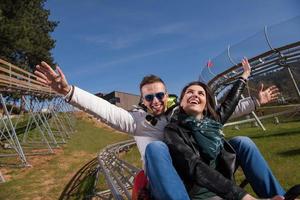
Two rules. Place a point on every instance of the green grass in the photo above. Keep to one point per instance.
(280, 146)
(49, 174)
(133, 157)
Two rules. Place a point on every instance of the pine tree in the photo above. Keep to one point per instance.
(25, 29)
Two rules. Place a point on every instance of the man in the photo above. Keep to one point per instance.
(147, 128)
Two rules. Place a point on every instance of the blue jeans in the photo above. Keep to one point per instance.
(255, 168)
(165, 183)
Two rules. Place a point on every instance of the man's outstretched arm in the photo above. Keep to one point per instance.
(56, 80)
(98, 107)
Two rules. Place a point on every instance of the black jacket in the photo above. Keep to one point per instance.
(194, 169)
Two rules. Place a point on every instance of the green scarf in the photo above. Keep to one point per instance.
(208, 135)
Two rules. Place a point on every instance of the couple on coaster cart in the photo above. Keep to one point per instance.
(183, 149)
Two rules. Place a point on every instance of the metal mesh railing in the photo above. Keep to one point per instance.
(268, 51)
(33, 120)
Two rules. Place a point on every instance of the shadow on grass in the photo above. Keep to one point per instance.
(82, 183)
(280, 134)
(293, 152)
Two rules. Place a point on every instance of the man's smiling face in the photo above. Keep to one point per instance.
(155, 97)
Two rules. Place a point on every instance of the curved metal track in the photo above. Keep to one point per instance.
(117, 173)
(267, 62)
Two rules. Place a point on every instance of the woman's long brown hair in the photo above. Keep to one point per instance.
(210, 102)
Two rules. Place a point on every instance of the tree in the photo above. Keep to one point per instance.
(25, 29)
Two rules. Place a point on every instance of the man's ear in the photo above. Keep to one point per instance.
(142, 105)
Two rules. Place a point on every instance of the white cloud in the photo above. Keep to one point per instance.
(130, 38)
(94, 68)
(113, 42)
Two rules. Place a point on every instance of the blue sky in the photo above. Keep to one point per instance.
(106, 45)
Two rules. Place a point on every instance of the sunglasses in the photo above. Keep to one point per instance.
(150, 97)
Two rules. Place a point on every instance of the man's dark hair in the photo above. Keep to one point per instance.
(150, 79)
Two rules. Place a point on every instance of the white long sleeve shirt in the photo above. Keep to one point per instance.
(134, 122)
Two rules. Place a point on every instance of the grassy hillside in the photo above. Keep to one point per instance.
(49, 174)
(279, 145)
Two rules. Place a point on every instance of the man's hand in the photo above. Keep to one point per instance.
(48, 76)
(268, 95)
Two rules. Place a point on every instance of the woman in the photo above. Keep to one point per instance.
(200, 154)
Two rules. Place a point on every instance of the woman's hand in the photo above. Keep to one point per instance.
(277, 197)
(48, 76)
(247, 68)
(249, 197)
(268, 95)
